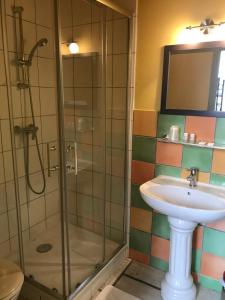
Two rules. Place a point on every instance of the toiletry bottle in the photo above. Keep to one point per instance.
(192, 138)
(223, 287)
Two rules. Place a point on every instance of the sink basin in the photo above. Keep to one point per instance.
(173, 197)
(185, 207)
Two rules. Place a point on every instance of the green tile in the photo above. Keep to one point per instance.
(159, 264)
(167, 170)
(197, 157)
(166, 121)
(196, 260)
(220, 131)
(140, 241)
(216, 179)
(160, 226)
(144, 148)
(210, 283)
(214, 242)
(136, 199)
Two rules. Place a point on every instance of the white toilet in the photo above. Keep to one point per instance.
(11, 280)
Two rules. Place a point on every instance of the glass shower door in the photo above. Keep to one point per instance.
(95, 115)
(84, 123)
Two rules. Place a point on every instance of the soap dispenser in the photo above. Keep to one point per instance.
(223, 287)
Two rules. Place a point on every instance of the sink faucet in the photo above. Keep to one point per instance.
(193, 177)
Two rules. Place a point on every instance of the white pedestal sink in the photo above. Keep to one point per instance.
(185, 207)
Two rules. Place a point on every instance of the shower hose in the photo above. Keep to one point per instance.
(27, 144)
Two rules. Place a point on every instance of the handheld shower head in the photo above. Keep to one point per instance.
(40, 43)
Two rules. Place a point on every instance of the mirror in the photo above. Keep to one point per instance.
(194, 79)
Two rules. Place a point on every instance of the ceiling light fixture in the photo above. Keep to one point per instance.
(206, 26)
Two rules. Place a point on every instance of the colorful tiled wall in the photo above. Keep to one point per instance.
(150, 233)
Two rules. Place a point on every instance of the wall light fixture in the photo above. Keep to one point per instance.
(72, 46)
(206, 25)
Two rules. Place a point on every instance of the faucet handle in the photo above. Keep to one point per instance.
(194, 170)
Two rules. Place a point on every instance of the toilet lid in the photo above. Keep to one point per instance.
(11, 278)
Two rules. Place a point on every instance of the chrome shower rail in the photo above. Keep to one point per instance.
(25, 65)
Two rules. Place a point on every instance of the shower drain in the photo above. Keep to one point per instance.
(43, 248)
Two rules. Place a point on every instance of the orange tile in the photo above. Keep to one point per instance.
(202, 176)
(169, 154)
(220, 225)
(212, 266)
(142, 171)
(141, 219)
(160, 248)
(145, 123)
(197, 237)
(138, 256)
(218, 163)
(203, 127)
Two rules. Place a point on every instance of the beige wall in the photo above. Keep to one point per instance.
(161, 22)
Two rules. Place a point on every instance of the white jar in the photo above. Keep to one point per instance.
(185, 137)
(192, 139)
(174, 133)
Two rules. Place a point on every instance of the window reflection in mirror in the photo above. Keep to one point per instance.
(220, 91)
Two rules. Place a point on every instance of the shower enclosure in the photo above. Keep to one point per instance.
(64, 132)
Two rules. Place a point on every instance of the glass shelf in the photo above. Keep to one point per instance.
(215, 146)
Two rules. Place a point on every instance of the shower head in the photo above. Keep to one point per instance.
(40, 43)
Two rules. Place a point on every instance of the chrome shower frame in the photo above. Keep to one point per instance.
(11, 124)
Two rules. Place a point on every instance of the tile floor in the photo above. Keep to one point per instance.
(148, 285)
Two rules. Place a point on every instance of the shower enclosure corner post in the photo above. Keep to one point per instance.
(62, 156)
(129, 128)
(12, 136)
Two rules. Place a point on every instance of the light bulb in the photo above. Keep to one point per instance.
(74, 48)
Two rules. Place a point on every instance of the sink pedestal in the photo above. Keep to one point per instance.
(178, 282)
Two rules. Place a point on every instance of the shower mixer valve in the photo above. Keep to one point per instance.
(31, 128)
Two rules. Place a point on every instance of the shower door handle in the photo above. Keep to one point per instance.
(50, 167)
(72, 166)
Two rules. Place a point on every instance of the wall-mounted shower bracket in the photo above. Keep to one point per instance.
(22, 85)
(54, 168)
(17, 9)
(23, 62)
